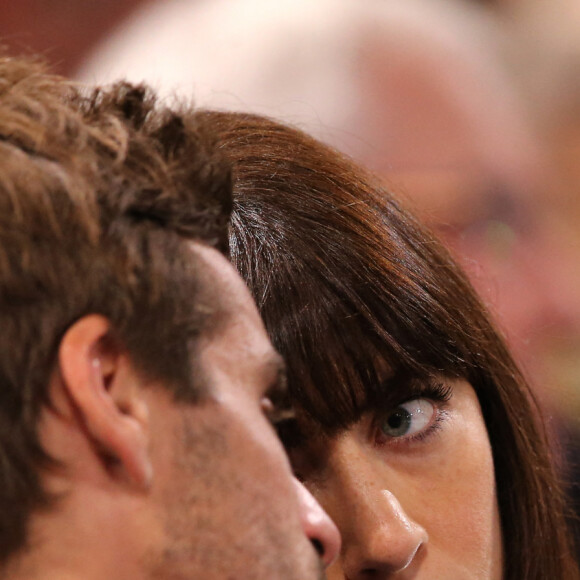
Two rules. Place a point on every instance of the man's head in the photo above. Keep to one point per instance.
(134, 370)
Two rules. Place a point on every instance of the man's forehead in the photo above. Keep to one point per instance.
(235, 354)
(220, 282)
(233, 315)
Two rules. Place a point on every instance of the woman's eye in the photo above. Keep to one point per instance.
(408, 418)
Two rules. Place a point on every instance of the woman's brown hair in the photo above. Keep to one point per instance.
(341, 274)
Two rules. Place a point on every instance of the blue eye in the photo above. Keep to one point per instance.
(408, 418)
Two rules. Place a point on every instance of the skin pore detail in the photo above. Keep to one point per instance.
(402, 501)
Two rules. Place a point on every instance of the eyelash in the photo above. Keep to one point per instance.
(276, 414)
(437, 393)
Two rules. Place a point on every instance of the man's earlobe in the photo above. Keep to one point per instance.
(107, 393)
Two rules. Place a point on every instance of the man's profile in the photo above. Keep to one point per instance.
(136, 379)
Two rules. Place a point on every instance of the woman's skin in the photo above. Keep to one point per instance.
(411, 488)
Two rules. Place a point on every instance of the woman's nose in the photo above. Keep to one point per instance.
(318, 526)
(380, 539)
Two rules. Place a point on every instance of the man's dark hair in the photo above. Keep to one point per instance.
(100, 196)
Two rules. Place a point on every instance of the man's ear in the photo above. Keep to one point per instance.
(101, 382)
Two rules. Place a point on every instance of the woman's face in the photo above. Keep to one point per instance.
(411, 489)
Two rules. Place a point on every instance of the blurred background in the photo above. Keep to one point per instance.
(469, 110)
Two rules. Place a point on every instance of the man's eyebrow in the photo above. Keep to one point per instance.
(277, 385)
(283, 415)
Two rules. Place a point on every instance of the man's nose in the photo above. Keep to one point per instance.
(318, 526)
